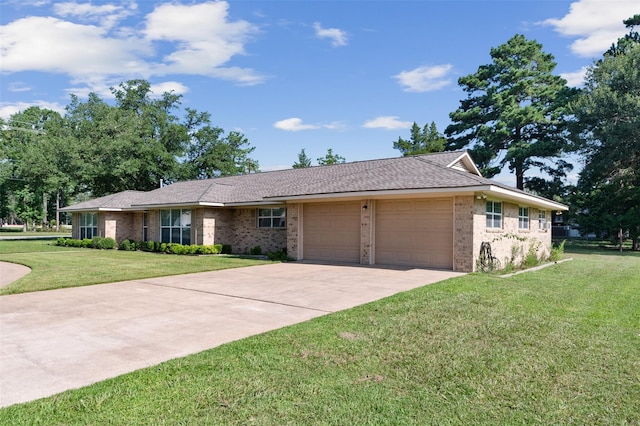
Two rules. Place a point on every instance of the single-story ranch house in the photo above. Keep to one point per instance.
(429, 211)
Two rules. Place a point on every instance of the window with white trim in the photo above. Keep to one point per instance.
(542, 220)
(175, 226)
(523, 217)
(88, 225)
(494, 214)
(272, 218)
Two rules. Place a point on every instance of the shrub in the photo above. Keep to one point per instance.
(257, 250)
(219, 247)
(225, 249)
(557, 252)
(61, 241)
(175, 248)
(86, 243)
(125, 245)
(96, 243)
(280, 255)
(108, 243)
(531, 258)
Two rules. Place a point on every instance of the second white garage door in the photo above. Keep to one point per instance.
(331, 232)
(415, 233)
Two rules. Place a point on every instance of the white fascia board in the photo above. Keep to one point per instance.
(376, 194)
(175, 205)
(529, 200)
(94, 209)
(256, 204)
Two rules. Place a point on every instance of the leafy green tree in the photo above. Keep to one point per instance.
(330, 158)
(37, 153)
(608, 195)
(211, 154)
(423, 141)
(27, 207)
(130, 145)
(515, 112)
(303, 161)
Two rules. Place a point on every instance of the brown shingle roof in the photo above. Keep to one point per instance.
(422, 172)
(117, 201)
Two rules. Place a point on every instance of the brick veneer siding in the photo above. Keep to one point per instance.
(211, 226)
(509, 244)
(367, 213)
(244, 234)
(463, 248)
(294, 224)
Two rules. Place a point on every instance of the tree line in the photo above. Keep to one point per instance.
(97, 149)
(517, 114)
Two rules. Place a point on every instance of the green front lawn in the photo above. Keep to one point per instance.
(58, 267)
(557, 346)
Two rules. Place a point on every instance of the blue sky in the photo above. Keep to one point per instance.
(348, 75)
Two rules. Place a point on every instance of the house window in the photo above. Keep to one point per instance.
(175, 226)
(88, 225)
(145, 226)
(542, 220)
(523, 217)
(272, 218)
(494, 214)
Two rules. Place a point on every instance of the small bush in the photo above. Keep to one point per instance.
(61, 241)
(96, 243)
(255, 251)
(218, 248)
(125, 245)
(108, 243)
(87, 243)
(557, 252)
(280, 255)
(225, 249)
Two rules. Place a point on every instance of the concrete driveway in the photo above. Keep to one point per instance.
(56, 340)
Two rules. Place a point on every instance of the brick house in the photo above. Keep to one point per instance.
(430, 211)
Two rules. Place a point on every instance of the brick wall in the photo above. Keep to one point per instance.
(510, 244)
(243, 233)
(294, 222)
(367, 213)
(463, 248)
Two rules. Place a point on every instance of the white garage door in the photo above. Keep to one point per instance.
(331, 232)
(415, 233)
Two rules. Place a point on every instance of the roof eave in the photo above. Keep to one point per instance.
(524, 198)
(176, 205)
(71, 209)
(376, 193)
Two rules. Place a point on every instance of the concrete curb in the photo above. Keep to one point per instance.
(537, 268)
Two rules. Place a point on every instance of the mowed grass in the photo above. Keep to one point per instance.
(556, 346)
(58, 267)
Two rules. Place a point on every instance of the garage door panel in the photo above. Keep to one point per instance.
(415, 233)
(331, 232)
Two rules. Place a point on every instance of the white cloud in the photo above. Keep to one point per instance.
(425, 78)
(338, 37)
(205, 39)
(595, 23)
(575, 79)
(293, 124)
(82, 44)
(51, 44)
(389, 122)
(8, 109)
(168, 86)
(19, 86)
(106, 16)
